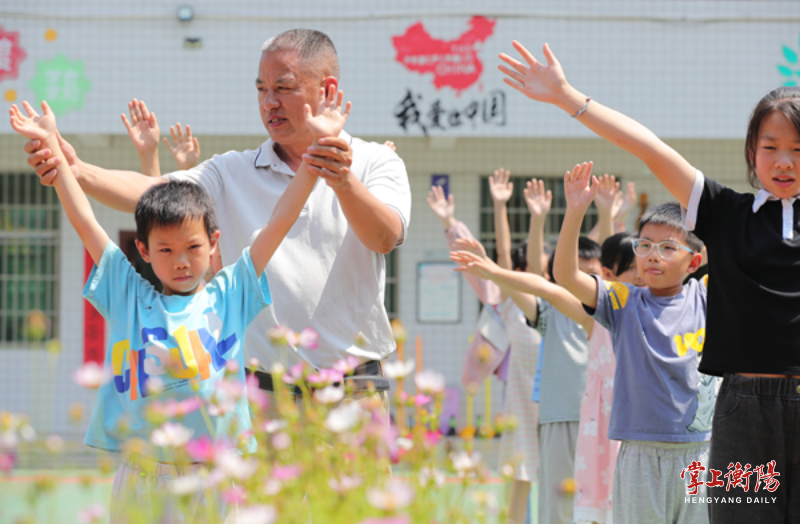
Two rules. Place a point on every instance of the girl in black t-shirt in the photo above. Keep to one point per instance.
(753, 325)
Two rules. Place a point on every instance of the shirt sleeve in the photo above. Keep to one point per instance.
(207, 174)
(612, 298)
(488, 292)
(113, 282)
(387, 179)
(245, 295)
(709, 204)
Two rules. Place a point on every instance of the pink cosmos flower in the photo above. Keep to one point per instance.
(397, 519)
(234, 495)
(421, 400)
(308, 339)
(325, 376)
(91, 514)
(172, 408)
(397, 494)
(347, 365)
(295, 373)
(281, 441)
(257, 397)
(203, 449)
(6, 462)
(432, 438)
(286, 472)
(344, 483)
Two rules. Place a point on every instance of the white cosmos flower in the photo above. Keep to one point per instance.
(91, 375)
(344, 483)
(398, 494)
(399, 369)
(463, 461)
(234, 466)
(186, 485)
(426, 474)
(430, 382)
(271, 426)
(329, 394)
(255, 514)
(343, 417)
(171, 435)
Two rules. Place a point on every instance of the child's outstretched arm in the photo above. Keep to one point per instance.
(538, 201)
(76, 205)
(186, 150)
(144, 132)
(580, 188)
(327, 120)
(516, 282)
(547, 83)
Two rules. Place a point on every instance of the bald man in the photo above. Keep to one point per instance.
(329, 273)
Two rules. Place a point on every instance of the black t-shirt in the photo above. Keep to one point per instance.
(754, 286)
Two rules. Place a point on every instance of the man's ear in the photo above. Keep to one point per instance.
(142, 250)
(697, 259)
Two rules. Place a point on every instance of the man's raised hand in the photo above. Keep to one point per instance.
(186, 150)
(500, 187)
(537, 199)
(328, 118)
(34, 126)
(580, 187)
(142, 128)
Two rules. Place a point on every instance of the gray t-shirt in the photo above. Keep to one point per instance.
(563, 366)
(658, 392)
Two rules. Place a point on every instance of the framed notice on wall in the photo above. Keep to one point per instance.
(438, 293)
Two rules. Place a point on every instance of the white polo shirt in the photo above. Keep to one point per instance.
(321, 276)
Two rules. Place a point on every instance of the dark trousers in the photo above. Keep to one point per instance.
(756, 421)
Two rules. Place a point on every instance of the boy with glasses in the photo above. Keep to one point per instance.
(662, 406)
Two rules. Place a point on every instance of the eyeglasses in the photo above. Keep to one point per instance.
(666, 249)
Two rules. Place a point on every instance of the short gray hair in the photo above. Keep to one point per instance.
(314, 48)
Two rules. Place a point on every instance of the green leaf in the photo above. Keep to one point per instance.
(790, 83)
(790, 55)
(785, 71)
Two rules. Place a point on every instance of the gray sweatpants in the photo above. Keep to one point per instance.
(648, 485)
(557, 443)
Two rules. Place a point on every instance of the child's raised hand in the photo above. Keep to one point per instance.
(471, 263)
(443, 208)
(142, 128)
(327, 119)
(33, 126)
(537, 81)
(628, 201)
(607, 199)
(537, 199)
(500, 187)
(580, 187)
(471, 245)
(186, 150)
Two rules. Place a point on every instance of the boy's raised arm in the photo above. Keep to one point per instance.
(327, 120)
(579, 191)
(547, 83)
(76, 205)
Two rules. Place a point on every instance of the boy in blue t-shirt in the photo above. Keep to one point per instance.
(662, 407)
(185, 335)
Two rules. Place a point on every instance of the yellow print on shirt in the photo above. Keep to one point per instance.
(688, 341)
(618, 293)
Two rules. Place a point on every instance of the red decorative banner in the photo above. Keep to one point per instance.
(454, 63)
(11, 54)
(94, 325)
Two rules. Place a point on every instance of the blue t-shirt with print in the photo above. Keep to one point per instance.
(179, 339)
(658, 392)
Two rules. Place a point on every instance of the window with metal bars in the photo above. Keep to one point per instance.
(29, 261)
(519, 218)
